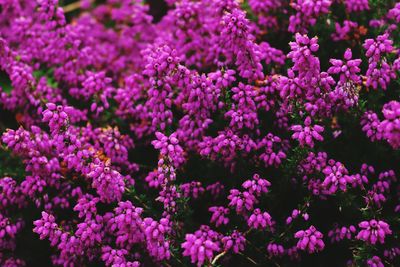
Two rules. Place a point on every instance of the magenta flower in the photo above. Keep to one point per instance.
(256, 185)
(47, 227)
(307, 13)
(259, 220)
(307, 134)
(219, 215)
(156, 233)
(394, 13)
(310, 240)
(375, 48)
(336, 177)
(379, 72)
(371, 125)
(193, 189)
(343, 32)
(117, 257)
(133, 123)
(356, 5)
(169, 147)
(109, 183)
(348, 70)
(373, 231)
(390, 127)
(339, 233)
(275, 250)
(242, 201)
(235, 242)
(57, 116)
(201, 245)
(271, 149)
(375, 261)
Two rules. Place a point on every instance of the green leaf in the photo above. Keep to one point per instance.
(5, 83)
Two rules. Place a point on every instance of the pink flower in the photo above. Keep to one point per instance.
(307, 134)
(242, 201)
(169, 147)
(219, 215)
(373, 231)
(259, 220)
(375, 261)
(57, 116)
(310, 240)
(201, 245)
(235, 242)
(256, 185)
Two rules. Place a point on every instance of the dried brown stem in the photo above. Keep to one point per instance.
(71, 7)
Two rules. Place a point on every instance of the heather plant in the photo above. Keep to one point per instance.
(199, 133)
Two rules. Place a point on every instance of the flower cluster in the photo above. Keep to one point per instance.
(310, 240)
(373, 231)
(308, 133)
(199, 133)
(387, 129)
(201, 245)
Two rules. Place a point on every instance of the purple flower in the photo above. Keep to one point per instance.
(243, 114)
(169, 147)
(348, 70)
(242, 201)
(376, 48)
(339, 233)
(46, 227)
(310, 240)
(375, 261)
(344, 32)
(336, 177)
(394, 13)
(307, 134)
(373, 231)
(271, 148)
(109, 183)
(219, 215)
(117, 257)
(193, 189)
(256, 185)
(235, 242)
(307, 13)
(390, 127)
(371, 125)
(201, 245)
(356, 5)
(275, 250)
(379, 71)
(127, 224)
(259, 220)
(236, 38)
(57, 116)
(156, 233)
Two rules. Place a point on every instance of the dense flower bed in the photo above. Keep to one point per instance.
(199, 133)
